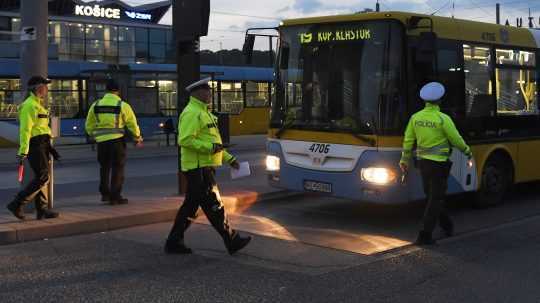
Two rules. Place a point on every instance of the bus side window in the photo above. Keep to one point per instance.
(450, 74)
(478, 85)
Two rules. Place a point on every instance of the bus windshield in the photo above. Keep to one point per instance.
(339, 77)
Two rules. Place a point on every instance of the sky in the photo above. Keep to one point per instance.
(230, 18)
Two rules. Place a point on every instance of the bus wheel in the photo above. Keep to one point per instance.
(496, 179)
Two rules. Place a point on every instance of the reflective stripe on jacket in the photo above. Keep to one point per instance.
(108, 118)
(434, 134)
(198, 131)
(34, 121)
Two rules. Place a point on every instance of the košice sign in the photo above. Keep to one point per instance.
(97, 11)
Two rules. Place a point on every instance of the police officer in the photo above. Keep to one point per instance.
(35, 144)
(434, 134)
(201, 152)
(106, 123)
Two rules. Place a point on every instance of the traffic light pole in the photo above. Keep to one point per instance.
(188, 71)
(34, 56)
(190, 22)
(34, 46)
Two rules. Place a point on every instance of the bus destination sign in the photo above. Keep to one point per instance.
(337, 35)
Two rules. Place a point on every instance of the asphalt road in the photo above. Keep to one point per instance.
(499, 264)
(305, 249)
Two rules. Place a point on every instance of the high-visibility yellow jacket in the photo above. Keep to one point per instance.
(34, 121)
(198, 131)
(434, 133)
(108, 118)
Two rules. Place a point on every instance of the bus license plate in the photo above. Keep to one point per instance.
(316, 186)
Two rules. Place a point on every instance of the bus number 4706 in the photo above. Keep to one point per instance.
(320, 148)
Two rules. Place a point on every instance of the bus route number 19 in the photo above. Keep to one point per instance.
(319, 148)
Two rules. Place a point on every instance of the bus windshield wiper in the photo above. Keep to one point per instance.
(364, 138)
(281, 130)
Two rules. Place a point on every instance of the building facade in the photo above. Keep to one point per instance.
(90, 42)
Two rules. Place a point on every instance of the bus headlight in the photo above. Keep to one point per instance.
(272, 163)
(378, 175)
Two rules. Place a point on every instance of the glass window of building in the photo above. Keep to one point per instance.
(127, 52)
(76, 31)
(5, 26)
(232, 97)
(126, 34)
(141, 35)
(10, 97)
(15, 27)
(157, 53)
(257, 94)
(170, 36)
(158, 36)
(141, 52)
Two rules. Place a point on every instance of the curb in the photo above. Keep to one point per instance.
(88, 220)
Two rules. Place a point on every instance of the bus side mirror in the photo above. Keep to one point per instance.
(284, 58)
(247, 50)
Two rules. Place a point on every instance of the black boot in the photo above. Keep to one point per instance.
(44, 213)
(16, 208)
(447, 226)
(425, 238)
(237, 243)
(448, 230)
(177, 247)
(119, 201)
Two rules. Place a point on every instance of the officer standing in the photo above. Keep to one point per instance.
(35, 144)
(434, 134)
(201, 151)
(106, 123)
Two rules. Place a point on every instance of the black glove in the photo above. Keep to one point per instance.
(54, 153)
(216, 148)
(234, 164)
(20, 159)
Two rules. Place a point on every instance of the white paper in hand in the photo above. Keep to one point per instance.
(243, 171)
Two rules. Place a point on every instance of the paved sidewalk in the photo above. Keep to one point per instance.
(86, 214)
(89, 216)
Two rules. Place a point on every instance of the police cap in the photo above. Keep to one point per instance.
(112, 86)
(203, 83)
(37, 80)
(432, 92)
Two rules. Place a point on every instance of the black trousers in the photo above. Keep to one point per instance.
(202, 191)
(112, 160)
(38, 156)
(435, 180)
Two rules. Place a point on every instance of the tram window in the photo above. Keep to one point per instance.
(64, 98)
(257, 94)
(232, 99)
(477, 68)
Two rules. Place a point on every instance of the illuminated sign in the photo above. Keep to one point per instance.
(336, 36)
(141, 16)
(97, 11)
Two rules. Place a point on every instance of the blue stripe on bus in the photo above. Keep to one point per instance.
(349, 184)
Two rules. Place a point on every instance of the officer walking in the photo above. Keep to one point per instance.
(201, 151)
(35, 144)
(106, 123)
(434, 134)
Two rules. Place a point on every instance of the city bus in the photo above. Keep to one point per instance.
(346, 86)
